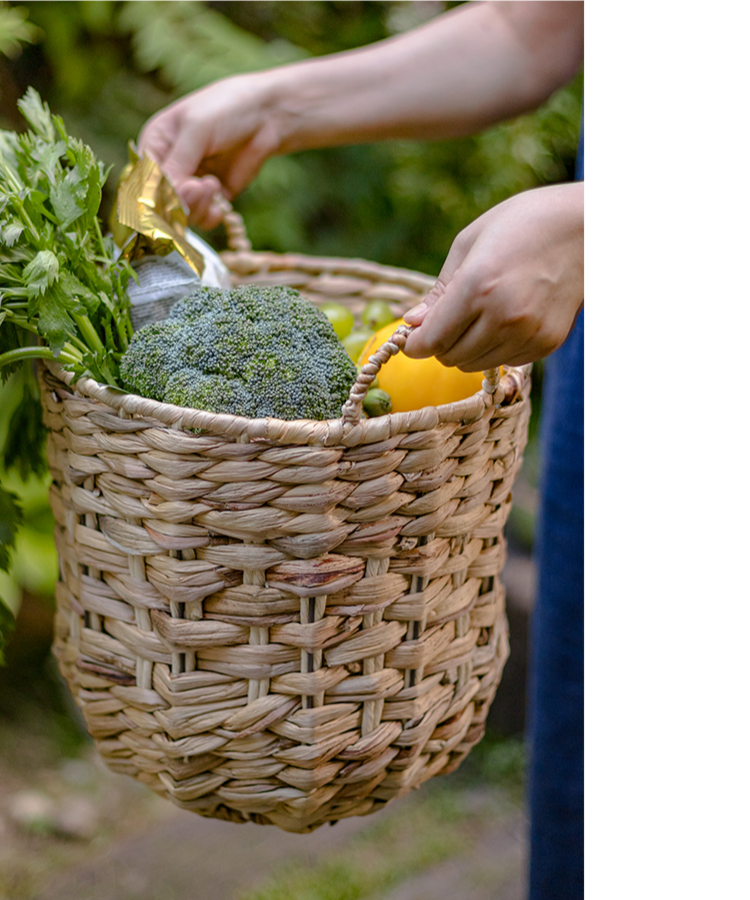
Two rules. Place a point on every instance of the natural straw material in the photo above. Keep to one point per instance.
(284, 622)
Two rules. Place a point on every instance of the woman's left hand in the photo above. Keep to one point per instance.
(511, 287)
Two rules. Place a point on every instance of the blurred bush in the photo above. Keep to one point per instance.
(107, 66)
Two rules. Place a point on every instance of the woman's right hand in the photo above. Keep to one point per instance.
(214, 140)
(457, 74)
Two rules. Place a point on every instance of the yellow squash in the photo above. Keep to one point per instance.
(414, 383)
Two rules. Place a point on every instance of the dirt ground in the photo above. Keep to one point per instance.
(72, 830)
(75, 831)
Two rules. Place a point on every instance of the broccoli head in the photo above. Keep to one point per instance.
(250, 351)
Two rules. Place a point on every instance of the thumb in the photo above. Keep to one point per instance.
(417, 314)
(440, 324)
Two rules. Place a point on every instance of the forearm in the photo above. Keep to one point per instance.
(458, 74)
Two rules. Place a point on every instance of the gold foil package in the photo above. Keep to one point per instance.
(150, 227)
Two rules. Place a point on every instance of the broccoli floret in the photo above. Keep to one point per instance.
(250, 351)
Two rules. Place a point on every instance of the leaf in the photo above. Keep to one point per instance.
(37, 114)
(55, 325)
(65, 204)
(73, 287)
(67, 196)
(7, 624)
(25, 441)
(19, 253)
(47, 156)
(8, 148)
(9, 340)
(95, 364)
(11, 517)
(41, 272)
(10, 232)
(15, 30)
(90, 174)
(10, 277)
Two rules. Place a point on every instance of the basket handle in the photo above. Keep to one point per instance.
(351, 411)
(234, 225)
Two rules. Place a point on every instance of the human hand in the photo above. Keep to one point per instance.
(213, 141)
(511, 286)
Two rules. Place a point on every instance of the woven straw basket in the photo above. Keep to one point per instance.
(284, 622)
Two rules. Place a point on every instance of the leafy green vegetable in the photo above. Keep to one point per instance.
(62, 292)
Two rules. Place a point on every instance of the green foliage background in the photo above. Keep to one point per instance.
(107, 66)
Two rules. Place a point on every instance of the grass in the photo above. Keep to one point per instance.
(496, 762)
(384, 855)
(440, 824)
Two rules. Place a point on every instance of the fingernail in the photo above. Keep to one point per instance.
(416, 313)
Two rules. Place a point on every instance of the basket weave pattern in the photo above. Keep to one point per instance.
(283, 622)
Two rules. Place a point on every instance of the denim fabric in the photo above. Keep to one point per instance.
(555, 729)
(556, 688)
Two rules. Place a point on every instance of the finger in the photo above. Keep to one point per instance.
(514, 344)
(239, 164)
(200, 186)
(509, 352)
(490, 360)
(444, 323)
(215, 215)
(481, 348)
(477, 341)
(199, 197)
(493, 356)
(246, 163)
(416, 315)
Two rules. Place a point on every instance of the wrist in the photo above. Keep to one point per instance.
(307, 105)
(559, 206)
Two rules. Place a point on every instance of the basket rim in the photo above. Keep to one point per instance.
(325, 432)
(273, 261)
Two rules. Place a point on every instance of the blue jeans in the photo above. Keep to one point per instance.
(556, 681)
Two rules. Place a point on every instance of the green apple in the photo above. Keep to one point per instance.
(340, 317)
(355, 342)
(376, 315)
